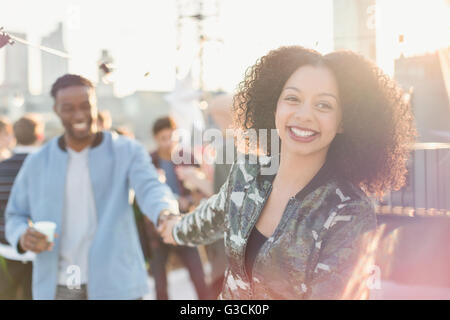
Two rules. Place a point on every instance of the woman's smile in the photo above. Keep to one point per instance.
(302, 134)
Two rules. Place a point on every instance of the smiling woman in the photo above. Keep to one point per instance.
(377, 126)
(345, 133)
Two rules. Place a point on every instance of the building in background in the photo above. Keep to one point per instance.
(138, 112)
(52, 65)
(16, 66)
(15, 87)
(425, 75)
(354, 26)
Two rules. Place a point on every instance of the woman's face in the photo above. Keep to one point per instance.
(308, 114)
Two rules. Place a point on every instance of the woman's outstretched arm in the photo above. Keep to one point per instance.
(206, 224)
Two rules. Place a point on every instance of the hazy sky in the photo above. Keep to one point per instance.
(141, 34)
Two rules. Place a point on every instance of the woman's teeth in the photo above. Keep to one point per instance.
(302, 133)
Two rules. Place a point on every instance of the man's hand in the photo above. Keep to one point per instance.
(163, 216)
(165, 229)
(34, 241)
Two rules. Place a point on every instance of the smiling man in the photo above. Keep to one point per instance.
(81, 181)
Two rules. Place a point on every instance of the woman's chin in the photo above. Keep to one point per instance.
(301, 150)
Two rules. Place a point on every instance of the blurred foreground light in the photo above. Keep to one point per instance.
(203, 105)
(18, 100)
(107, 70)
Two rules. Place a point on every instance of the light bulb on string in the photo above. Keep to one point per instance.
(107, 70)
(203, 105)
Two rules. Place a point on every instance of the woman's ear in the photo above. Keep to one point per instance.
(341, 128)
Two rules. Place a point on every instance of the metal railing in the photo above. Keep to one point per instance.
(427, 190)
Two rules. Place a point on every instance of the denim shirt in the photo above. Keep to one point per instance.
(313, 250)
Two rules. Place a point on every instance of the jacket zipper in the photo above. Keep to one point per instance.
(250, 281)
(273, 235)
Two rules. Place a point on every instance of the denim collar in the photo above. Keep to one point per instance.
(97, 141)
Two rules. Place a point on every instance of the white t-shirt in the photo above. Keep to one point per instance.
(79, 220)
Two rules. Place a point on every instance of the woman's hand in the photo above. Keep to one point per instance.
(184, 203)
(166, 227)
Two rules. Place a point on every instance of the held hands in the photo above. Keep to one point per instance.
(166, 222)
(184, 203)
(34, 241)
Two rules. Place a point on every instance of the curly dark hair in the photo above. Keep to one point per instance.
(378, 123)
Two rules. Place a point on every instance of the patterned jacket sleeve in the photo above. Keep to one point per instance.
(340, 249)
(207, 223)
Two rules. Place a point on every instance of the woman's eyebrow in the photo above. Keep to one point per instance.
(293, 88)
(329, 95)
(320, 94)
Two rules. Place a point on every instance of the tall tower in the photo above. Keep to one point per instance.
(196, 28)
(354, 26)
(16, 66)
(53, 66)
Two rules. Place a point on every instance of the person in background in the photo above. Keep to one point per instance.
(16, 269)
(221, 113)
(124, 131)
(219, 108)
(6, 138)
(81, 181)
(163, 130)
(104, 120)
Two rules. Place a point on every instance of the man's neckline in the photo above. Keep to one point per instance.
(97, 141)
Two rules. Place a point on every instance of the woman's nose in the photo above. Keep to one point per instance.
(304, 111)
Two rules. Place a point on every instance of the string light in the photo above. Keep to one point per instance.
(6, 38)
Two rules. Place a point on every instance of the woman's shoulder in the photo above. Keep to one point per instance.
(249, 167)
(351, 201)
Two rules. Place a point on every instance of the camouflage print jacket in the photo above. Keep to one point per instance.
(311, 254)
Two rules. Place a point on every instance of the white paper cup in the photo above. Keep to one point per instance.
(46, 227)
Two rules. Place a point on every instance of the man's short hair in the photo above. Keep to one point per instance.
(163, 123)
(69, 80)
(27, 129)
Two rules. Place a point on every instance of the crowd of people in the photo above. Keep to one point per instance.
(345, 132)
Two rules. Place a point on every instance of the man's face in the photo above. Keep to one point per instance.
(77, 108)
(165, 140)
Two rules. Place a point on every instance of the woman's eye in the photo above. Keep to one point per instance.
(324, 106)
(291, 98)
